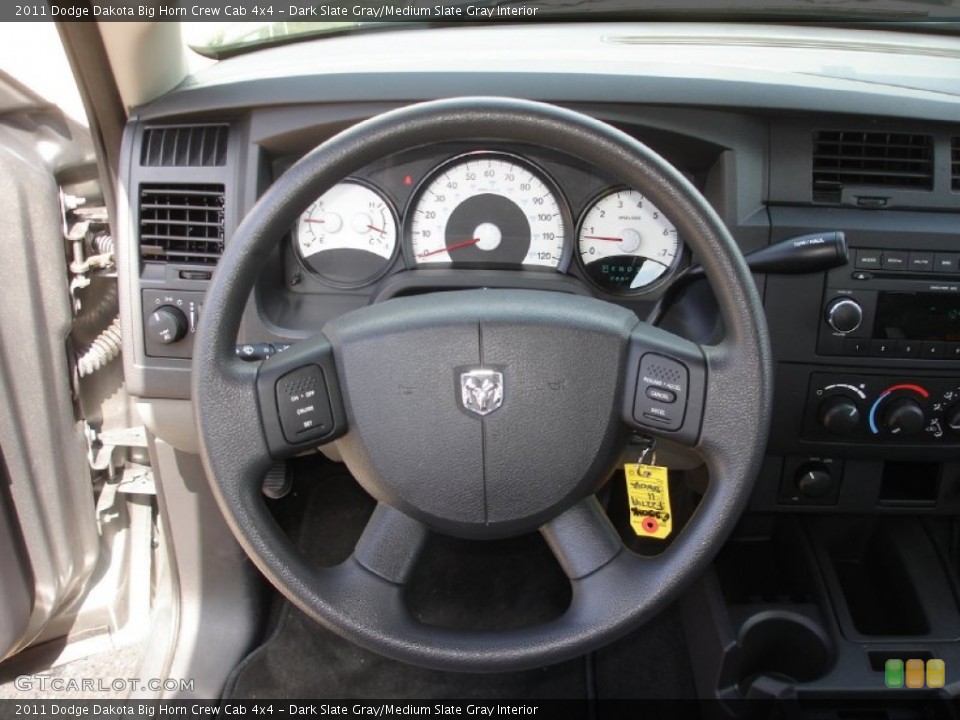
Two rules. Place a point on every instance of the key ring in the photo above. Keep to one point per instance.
(649, 448)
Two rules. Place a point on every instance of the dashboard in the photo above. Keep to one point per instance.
(785, 131)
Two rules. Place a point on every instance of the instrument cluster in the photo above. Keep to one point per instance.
(490, 208)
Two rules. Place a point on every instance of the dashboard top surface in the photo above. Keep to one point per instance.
(722, 65)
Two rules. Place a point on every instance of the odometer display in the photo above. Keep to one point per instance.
(487, 209)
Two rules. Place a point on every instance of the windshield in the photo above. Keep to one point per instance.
(220, 39)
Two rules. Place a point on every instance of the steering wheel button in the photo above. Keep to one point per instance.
(303, 404)
(661, 399)
(661, 394)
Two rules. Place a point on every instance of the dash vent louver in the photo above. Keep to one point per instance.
(844, 158)
(955, 163)
(181, 223)
(184, 146)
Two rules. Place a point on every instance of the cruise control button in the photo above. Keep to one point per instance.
(661, 399)
(304, 404)
(661, 394)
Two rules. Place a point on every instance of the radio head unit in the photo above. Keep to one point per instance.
(899, 312)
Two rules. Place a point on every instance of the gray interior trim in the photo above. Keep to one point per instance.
(219, 591)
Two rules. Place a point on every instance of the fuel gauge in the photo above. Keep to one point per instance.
(625, 242)
(348, 236)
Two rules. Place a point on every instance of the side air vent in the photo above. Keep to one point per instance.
(184, 146)
(181, 223)
(955, 163)
(843, 158)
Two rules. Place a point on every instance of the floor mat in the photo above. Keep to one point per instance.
(457, 583)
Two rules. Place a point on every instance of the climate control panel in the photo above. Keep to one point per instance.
(864, 408)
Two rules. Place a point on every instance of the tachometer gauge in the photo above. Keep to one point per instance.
(348, 237)
(625, 243)
(488, 209)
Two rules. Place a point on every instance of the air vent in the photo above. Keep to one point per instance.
(955, 163)
(184, 146)
(843, 158)
(181, 223)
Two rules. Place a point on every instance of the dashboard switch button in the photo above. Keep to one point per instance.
(882, 348)
(921, 262)
(895, 260)
(867, 260)
(908, 348)
(856, 346)
(946, 262)
(304, 404)
(933, 349)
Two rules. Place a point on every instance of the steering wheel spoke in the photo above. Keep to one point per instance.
(665, 384)
(582, 539)
(299, 397)
(390, 544)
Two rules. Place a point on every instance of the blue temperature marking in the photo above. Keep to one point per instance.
(873, 413)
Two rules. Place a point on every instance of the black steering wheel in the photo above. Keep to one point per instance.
(480, 413)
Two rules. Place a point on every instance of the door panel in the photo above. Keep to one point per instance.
(41, 438)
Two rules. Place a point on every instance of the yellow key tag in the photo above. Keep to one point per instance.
(648, 495)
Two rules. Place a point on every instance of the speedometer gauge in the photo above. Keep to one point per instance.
(625, 242)
(348, 237)
(488, 209)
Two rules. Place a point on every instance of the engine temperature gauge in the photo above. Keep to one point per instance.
(348, 237)
(626, 243)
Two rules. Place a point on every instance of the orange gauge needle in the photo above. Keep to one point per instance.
(455, 246)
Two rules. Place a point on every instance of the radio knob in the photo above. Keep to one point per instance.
(167, 324)
(903, 416)
(844, 315)
(839, 414)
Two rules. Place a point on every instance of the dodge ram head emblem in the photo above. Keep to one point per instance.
(481, 391)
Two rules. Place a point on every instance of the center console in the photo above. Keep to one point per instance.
(848, 558)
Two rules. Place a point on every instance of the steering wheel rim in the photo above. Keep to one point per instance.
(614, 590)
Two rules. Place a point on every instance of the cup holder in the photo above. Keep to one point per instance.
(784, 644)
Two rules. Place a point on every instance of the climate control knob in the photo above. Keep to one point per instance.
(167, 324)
(903, 416)
(844, 315)
(953, 417)
(839, 414)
